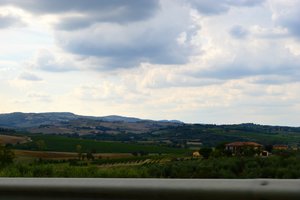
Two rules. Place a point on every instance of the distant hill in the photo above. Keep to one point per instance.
(25, 120)
(130, 129)
(69, 123)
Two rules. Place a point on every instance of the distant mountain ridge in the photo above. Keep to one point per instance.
(118, 128)
(27, 120)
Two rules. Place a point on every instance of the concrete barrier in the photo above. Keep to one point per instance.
(144, 189)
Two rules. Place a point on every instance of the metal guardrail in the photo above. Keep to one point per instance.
(144, 189)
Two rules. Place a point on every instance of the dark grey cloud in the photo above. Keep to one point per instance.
(287, 15)
(95, 6)
(276, 79)
(131, 55)
(7, 21)
(117, 45)
(213, 7)
(155, 48)
(45, 60)
(29, 77)
(239, 32)
(91, 11)
(115, 33)
(246, 3)
(279, 68)
(242, 70)
(209, 7)
(291, 22)
(74, 23)
(294, 27)
(111, 12)
(39, 97)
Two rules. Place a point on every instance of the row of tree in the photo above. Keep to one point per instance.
(222, 167)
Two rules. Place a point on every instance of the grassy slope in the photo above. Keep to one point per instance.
(212, 135)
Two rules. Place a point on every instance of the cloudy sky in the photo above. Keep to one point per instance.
(205, 61)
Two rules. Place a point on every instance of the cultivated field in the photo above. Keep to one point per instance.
(51, 155)
(8, 139)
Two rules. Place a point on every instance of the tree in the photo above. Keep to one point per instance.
(249, 151)
(205, 152)
(79, 151)
(90, 156)
(269, 147)
(6, 156)
(40, 145)
(135, 153)
(221, 146)
(143, 153)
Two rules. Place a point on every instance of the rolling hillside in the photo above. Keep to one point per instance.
(169, 133)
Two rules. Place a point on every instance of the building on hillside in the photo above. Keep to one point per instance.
(264, 153)
(196, 154)
(280, 147)
(294, 148)
(241, 148)
(193, 144)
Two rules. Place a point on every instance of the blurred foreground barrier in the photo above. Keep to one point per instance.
(144, 189)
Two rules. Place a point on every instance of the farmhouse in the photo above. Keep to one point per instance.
(294, 148)
(194, 144)
(238, 148)
(196, 154)
(264, 153)
(280, 147)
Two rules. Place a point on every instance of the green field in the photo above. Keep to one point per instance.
(67, 144)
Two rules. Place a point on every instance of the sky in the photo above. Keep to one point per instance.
(198, 61)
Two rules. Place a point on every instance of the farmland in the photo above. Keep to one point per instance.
(215, 167)
(9, 139)
(68, 144)
(136, 148)
(59, 157)
(52, 155)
